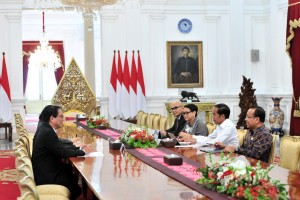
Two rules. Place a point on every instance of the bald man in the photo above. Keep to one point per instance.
(179, 122)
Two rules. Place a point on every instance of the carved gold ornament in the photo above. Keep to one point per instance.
(74, 92)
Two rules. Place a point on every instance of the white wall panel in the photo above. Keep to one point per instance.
(214, 78)
(229, 30)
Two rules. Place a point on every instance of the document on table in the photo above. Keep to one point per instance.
(93, 154)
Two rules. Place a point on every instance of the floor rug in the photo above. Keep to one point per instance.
(9, 188)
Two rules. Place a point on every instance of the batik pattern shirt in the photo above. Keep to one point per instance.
(257, 144)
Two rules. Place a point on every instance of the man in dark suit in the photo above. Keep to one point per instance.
(48, 152)
(186, 70)
(179, 122)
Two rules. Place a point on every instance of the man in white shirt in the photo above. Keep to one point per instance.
(223, 135)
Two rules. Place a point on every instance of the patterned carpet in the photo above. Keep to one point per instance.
(9, 188)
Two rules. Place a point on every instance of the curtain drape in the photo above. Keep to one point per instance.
(30, 46)
(293, 49)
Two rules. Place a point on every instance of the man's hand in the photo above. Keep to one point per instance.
(88, 149)
(229, 149)
(219, 145)
(80, 144)
(163, 132)
(75, 139)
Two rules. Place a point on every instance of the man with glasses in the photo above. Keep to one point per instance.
(179, 122)
(258, 140)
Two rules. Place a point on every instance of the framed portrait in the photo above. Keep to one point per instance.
(185, 64)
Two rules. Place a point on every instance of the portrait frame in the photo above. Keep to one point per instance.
(186, 79)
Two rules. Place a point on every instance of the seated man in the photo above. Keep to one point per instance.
(224, 134)
(48, 152)
(258, 140)
(179, 122)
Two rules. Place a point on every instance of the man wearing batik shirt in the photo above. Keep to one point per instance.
(258, 140)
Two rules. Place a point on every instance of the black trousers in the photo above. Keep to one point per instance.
(70, 181)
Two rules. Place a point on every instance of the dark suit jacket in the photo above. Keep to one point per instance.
(47, 155)
(176, 130)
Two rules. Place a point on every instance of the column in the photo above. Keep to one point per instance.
(89, 51)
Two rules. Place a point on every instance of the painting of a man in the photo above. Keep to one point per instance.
(186, 69)
(184, 64)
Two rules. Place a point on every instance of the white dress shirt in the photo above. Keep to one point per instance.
(225, 133)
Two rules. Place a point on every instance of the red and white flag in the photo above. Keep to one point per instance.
(126, 90)
(5, 99)
(119, 85)
(113, 112)
(141, 92)
(133, 84)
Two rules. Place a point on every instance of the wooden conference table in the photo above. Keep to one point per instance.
(116, 175)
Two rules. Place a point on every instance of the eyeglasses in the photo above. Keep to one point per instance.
(175, 108)
(186, 113)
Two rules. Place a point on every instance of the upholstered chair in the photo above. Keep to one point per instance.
(27, 183)
(29, 191)
(211, 127)
(139, 117)
(150, 120)
(241, 134)
(19, 123)
(163, 123)
(156, 121)
(144, 119)
(273, 149)
(290, 152)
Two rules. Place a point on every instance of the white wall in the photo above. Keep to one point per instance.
(229, 30)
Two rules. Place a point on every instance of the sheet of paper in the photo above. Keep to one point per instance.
(185, 146)
(93, 154)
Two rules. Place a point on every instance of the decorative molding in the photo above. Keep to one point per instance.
(257, 2)
(158, 17)
(212, 19)
(108, 18)
(14, 18)
(186, 2)
(260, 19)
(282, 4)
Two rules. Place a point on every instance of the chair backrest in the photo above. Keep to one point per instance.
(150, 120)
(24, 170)
(163, 123)
(241, 135)
(273, 149)
(290, 152)
(23, 142)
(139, 117)
(211, 127)
(19, 123)
(168, 124)
(28, 188)
(144, 119)
(156, 122)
